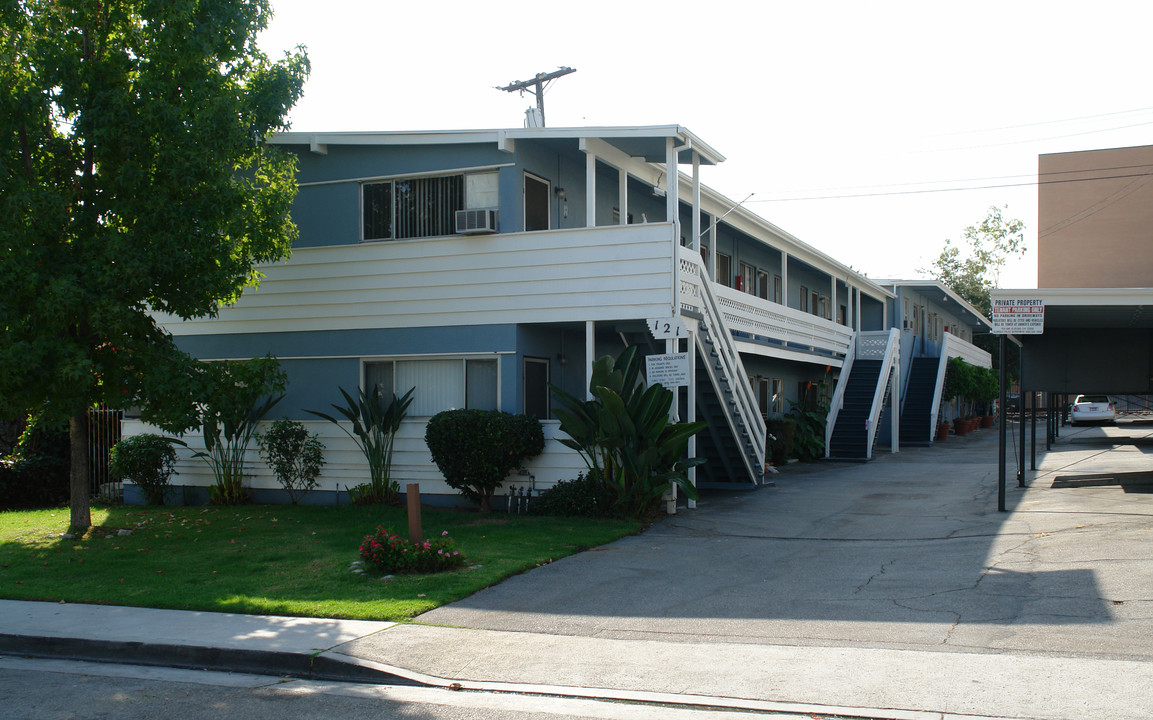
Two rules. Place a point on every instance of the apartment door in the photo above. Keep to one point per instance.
(537, 203)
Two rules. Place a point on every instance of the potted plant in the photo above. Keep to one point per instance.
(943, 430)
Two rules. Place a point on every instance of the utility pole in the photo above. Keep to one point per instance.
(536, 86)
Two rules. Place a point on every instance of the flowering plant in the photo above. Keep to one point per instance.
(393, 554)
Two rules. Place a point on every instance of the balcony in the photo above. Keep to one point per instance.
(763, 327)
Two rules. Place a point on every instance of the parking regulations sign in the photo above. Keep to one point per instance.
(1018, 316)
(668, 370)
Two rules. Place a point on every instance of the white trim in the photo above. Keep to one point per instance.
(404, 176)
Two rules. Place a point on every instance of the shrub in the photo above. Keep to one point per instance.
(477, 449)
(782, 432)
(583, 497)
(295, 456)
(375, 421)
(35, 473)
(809, 425)
(148, 461)
(391, 553)
(239, 399)
(625, 436)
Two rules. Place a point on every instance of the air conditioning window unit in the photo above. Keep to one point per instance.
(476, 222)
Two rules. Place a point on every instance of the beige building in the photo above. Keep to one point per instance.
(1095, 219)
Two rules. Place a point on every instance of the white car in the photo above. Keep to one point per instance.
(1092, 408)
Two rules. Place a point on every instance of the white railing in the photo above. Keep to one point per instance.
(762, 319)
(569, 275)
(967, 351)
(952, 347)
(743, 408)
(885, 346)
(838, 400)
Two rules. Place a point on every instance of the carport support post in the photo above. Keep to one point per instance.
(1001, 435)
(1021, 415)
(1033, 435)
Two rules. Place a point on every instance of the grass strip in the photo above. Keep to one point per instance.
(273, 560)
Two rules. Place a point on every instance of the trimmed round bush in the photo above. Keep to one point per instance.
(477, 449)
(146, 460)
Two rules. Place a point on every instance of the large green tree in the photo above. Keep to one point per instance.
(134, 178)
(972, 267)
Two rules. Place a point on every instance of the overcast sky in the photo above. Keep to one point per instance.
(899, 123)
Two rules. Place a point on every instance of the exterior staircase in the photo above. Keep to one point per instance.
(850, 438)
(917, 406)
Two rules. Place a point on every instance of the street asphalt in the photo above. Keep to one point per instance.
(890, 589)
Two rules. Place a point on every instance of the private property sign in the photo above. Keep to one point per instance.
(1018, 316)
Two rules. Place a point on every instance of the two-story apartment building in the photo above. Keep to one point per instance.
(480, 266)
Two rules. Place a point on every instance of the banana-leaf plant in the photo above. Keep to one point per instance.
(625, 435)
(374, 422)
(239, 395)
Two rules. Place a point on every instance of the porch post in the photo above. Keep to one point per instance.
(696, 241)
(672, 213)
(832, 297)
(590, 189)
(895, 402)
(672, 345)
(784, 278)
(692, 405)
(623, 197)
(713, 250)
(857, 314)
(590, 352)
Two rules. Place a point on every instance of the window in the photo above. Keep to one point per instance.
(804, 299)
(441, 383)
(412, 207)
(815, 303)
(536, 392)
(778, 289)
(778, 397)
(762, 285)
(823, 306)
(537, 203)
(724, 268)
(842, 315)
(747, 279)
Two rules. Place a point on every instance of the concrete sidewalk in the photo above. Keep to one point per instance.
(892, 589)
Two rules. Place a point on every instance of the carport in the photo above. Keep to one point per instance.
(1094, 340)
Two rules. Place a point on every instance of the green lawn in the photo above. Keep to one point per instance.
(277, 560)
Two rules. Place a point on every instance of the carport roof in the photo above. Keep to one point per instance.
(1116, 308)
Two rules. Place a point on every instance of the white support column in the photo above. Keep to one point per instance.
(784, 278)
(849, 308)
(672, 213)
(672, 345)
(713, 250)
(692, 405)
(590, 353)
(833, 298)
(696, 241)
(623, 197)
(590, 189)
(895, 404)
(857, 315)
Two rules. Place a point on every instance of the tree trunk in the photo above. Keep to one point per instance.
(78, 473)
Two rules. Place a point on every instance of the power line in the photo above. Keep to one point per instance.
(1047, 122)
(952, 189)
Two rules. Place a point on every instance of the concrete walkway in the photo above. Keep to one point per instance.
(891, 589)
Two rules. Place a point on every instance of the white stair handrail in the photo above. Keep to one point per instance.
(838, 400)
(893, 346)
(745, 404)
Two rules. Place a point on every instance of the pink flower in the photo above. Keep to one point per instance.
(444, 533)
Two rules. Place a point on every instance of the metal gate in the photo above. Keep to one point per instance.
(103, 432)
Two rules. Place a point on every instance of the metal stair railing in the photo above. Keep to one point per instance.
(892, 347)
(838, 400)
(738, 402)
(939, 388)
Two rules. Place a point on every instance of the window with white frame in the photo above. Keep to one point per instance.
(441, 383)
(724, 268)
(746, 280)
(804, 299)
(778, 289)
